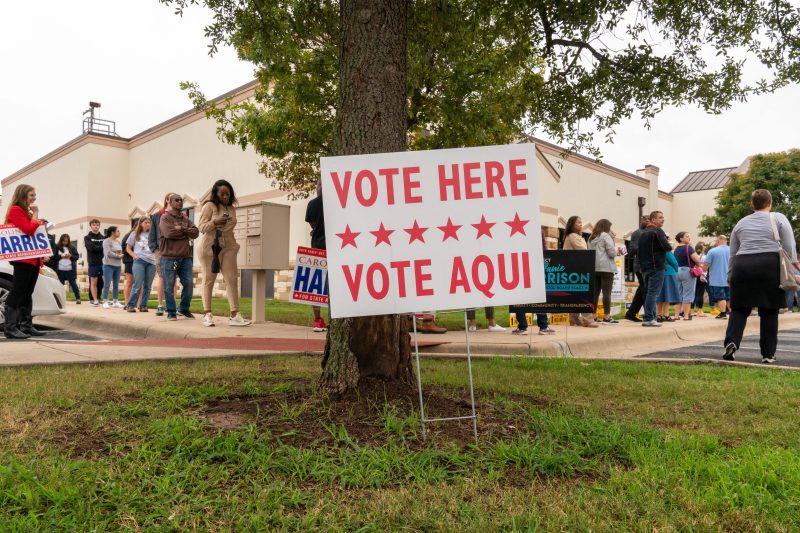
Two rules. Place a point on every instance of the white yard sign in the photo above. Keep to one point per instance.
(439, 229)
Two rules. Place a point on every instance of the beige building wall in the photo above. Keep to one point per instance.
(689, 208)
(107, 193)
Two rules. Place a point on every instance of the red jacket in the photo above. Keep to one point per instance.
(27, 225)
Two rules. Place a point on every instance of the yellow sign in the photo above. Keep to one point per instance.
(561, 319)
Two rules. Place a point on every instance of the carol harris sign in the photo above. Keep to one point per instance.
(439, 229)
(15, 245)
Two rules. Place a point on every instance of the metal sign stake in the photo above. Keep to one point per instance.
(424, 420)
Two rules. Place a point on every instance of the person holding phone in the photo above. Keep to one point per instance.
(68, 264)
(23, 214)
(217, 221)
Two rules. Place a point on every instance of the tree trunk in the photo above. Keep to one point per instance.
(371, 118)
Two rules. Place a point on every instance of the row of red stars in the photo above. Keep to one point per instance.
(449, 231)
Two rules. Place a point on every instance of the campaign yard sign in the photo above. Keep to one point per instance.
(439, 229)
(15, 245)
(569, 282)
(310, 283)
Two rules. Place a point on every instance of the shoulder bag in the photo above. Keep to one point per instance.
(695, 270)
(788, 282)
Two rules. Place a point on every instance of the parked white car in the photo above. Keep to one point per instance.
(49, 296)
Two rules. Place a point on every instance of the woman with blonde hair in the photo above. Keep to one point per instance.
(218, 249)
(144, 265)
(23, 214)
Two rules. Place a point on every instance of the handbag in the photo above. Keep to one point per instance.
(788, 282)
(695, 270)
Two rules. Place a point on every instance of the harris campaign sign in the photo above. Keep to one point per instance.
(427, 230)
(569, 283)
(15, 245)
(310, 282)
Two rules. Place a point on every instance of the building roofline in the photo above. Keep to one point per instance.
(125, 142)
(728, 171)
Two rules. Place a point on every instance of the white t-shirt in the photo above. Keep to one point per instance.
(64, 263)
(142, 247)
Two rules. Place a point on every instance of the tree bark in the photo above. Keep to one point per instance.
(371, 118)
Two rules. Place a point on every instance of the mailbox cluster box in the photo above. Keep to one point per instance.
(262, 231)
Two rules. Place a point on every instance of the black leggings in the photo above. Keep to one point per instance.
(768, 335)
(489, 313)
(22, 285)
(604, 281)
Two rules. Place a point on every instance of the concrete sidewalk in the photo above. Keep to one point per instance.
(136, 336)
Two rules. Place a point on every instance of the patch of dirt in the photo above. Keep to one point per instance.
(371, 415)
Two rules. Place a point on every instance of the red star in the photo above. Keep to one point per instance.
(484, 228)
(450, 230)
(517, 225)
(415, 233)
(348, 237)
(382, 235)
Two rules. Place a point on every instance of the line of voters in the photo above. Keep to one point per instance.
(738, 276)
(159, 246)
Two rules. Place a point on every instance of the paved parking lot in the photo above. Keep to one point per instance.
(788, 353)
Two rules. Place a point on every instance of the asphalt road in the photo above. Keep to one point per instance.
(788, 353)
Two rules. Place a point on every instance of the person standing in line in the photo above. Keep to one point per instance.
(716, 266)
(315, 217)
(127, 264)
(669, 289)
(755, 267)
(112, 267)
(687, 258)
(144, 265)
(489, 310)
(641, 289)
(573, 240)
(217, 221)
(175, 232)
(604, 265)
(22, 213)
(702, 283)
(542, 323)
(67, 267)
(652, 252)
(155, 243)
(93, 241)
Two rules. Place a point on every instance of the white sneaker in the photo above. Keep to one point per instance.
(117, 305)
(208, 320)
(238, 320)
(106, 306)
(472, 328)
(496, 327)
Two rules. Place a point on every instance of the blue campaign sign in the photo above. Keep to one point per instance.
(15, 245)
(310, 283)
(569, 282)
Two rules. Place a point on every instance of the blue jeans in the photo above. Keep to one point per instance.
(111, 275)
(69, 275)
(182, 268)
(143, 274)
(522, 321)
(654, 279)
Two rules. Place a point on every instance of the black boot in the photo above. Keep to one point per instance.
(11, 330)
(25, 321)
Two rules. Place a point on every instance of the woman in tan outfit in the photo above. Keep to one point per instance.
(217, 220)
(574, 241)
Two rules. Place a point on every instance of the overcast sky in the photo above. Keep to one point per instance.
(130, 55)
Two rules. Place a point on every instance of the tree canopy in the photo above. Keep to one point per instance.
(481, 71)
(779, 173)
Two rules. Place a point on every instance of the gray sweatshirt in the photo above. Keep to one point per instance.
(605, 252)
(753, 235)
(112, 253)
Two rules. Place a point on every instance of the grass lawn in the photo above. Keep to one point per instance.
(246, 444)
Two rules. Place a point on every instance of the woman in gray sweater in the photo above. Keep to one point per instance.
(112, 266)
(754, 274)
(604, 266)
